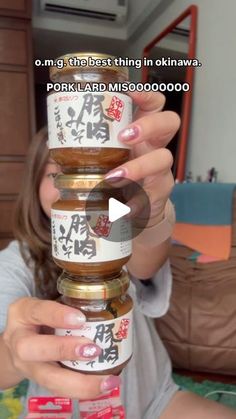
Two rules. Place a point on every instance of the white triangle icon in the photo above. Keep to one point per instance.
(116, 209)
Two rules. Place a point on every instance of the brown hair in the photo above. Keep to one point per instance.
(32, 226)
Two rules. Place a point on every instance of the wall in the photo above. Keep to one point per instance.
(138, 11)
(212, 138)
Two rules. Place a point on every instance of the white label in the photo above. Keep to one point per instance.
(73, 239)
(82, 119)
(114, 337)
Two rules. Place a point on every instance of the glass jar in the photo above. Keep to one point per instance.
(108, 311)
(84, 124)
(84, 241)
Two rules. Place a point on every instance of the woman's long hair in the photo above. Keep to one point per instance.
(31, 225)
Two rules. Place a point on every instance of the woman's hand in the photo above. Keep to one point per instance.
(34, 355)
(150, 164)
(150, 160)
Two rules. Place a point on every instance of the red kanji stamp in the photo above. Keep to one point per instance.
(123, 329)
(116, 108)
(103, 226)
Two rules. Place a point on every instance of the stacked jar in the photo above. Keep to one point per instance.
(83, 126)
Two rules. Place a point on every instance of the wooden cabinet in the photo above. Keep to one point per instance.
(16, 8)
(13, 46)
(16, 104)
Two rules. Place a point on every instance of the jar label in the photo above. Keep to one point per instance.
(73, 239)
(114, 337)
(87, 119)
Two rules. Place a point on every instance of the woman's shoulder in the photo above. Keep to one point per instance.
(12, 249)
(11, 256)
(13, 268)
(16, 279)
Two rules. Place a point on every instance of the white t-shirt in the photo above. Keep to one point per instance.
(147, 385)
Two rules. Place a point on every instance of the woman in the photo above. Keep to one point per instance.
(28, 349)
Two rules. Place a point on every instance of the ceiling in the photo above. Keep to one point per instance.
(55, 34)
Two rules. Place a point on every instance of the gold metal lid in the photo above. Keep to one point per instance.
(85, 56)
(103, 290)
(80, 181)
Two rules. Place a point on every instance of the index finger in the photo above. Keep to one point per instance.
(30, 311)
(73, 384)
(147, 102)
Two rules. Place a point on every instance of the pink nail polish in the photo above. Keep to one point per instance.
(75, 318)
(116, 174)
(129, 134)
(110, 383)
(88, 350)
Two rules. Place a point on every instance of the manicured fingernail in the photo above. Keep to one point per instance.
(88, 351)
(110, 383)
(75, 318)
(129, 134)
(116, 175)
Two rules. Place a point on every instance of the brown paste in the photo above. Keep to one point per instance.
(80, 158)
(100, 309)
(89, 160)
(113, 309)
(76, 200)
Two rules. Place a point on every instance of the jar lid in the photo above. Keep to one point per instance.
(102, 290)
(81, 181)
(85, 56)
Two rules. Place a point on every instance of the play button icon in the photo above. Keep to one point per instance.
(116, 209)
